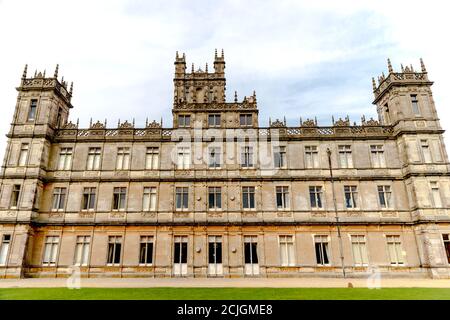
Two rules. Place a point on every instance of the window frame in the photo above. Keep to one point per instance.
(59, 197)
(285, 198)
(121, 199)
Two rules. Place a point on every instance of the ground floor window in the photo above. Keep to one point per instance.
(446, 239)
(215, 249)
(4, 248)
(146, 250)
(250, 249)
(359, 250)
(82, 250)
(114, 249)
(395, 249)
(321, 246)
(50, 250)
(180, 249)
(287, 255)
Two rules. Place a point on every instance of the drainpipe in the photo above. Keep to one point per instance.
(336, 212)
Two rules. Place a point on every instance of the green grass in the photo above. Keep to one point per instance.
(224, 293)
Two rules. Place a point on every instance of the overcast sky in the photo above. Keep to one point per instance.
(303, 58)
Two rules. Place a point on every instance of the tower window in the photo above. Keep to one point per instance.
(446, 239)
(245, 120)
(184, 120)
(32, 110)
(214, 120)
(15, 195)
(415, 104)
(426, 151)
(23, 156)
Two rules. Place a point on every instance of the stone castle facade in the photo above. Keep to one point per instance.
(216, 195)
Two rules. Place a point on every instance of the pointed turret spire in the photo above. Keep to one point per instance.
(374, 85)
(24, 75)
(223, 56)
(176, 55)
(56, 71)
(422, 65)
(235, 96)
(206, 68)
(192, 70)
(71, 88)
(390, 65)
(215, 54)
(403, 69)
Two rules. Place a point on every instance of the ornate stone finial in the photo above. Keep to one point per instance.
(192, 69)
(44, 73)
(422, 65)
(390, 65)
(235, 96)
(184, 56)
(71, 88)
(403, 69)
(412, 69)
(206, 68)
(215, 54)
(374, 85)
(56, 71)
(24, 75)
(223, 56)
(176, 55)
(35, 73)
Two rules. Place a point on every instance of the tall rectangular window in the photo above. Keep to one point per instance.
(321, 246)
(32, 110)
(377, 154)
(415, 104)
(282, 197)
(315, 197)
(65, 159)
(180, 249)
(89, 198)
(351, 196)
(246, 157)
(279, 157)
(114, 250)
(94, 158)
(245, 120)
(214, 249)
(183, 158)
(152, 158)
(436, 194)
(215, 198)
(426, 151)
(395, 249)
(15, 196)
(251, 249)
(119, 198)
(181, 198)
(359, 250)
(50, 250)
(59, 199)
(123, 159)
(214, 120)
(287, 255)
(23, 156)
(4, 248)
(345, 156)
(214, 159)
(146, 250)
(149, 199)
(248, 197)
(311, 157)
(82, 250)
(184, 120)
(384, 196)
(446, 239)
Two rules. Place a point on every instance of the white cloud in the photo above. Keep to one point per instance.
(304, 58)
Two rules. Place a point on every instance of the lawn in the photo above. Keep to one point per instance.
(224, 294)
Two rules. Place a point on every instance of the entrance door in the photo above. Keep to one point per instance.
(251, 255)
(180, 255)
(215, 256)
